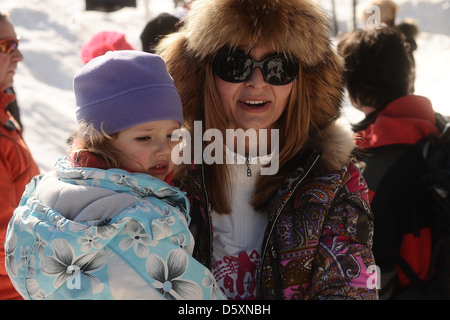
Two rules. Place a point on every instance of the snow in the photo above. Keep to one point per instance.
(53, 32)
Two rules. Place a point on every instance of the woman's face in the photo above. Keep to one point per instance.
(8, 61)
(253, 103)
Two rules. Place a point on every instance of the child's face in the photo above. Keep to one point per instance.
(147, 147)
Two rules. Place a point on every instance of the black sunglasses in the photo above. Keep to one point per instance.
(236, 66)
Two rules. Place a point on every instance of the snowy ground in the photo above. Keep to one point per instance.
(53, 31)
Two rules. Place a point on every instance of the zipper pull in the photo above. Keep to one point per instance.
(249, 170)
(274, 253)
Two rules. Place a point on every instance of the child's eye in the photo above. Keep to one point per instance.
(175, 137)
(146, 138)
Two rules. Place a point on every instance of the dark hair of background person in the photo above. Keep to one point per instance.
(378, 68)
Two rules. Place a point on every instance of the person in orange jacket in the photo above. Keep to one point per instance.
(17, 165)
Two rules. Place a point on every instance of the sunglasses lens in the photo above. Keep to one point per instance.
(236, 66)
(232, 66)
(8, 46)
(279, 70)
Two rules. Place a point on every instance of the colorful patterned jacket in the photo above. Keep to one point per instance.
(88, 233)
(318, 240)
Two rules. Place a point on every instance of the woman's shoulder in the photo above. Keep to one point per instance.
(336, 145)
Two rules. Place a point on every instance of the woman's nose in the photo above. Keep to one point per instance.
(256, 80)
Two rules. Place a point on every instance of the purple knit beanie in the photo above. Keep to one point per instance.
(125, 88)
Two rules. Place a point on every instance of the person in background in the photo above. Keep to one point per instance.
(163, 24)
(17, 166)
(388, 17)
(13, 107)
(108, 224)
(377, 77)
(102, 42)
(292, 220)
(388, 12)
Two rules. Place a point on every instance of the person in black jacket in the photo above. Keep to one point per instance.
(377, 77)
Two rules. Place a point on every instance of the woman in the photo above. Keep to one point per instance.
(17, 166)
(303, 231)
(395, 120)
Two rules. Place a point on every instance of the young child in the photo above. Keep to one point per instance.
(105, 224)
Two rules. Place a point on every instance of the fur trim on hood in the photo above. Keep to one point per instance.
(337, 146)
(296, 27)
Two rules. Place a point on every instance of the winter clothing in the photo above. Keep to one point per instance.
(326, 253)
(238, 237)
(394, 173)
(164, 24)
(103, 42)
(137, 246)
(13, 107)
(17, 167)
(302, 30)
(317, 243)
(138, 90)
(83, 232)
(404, 121)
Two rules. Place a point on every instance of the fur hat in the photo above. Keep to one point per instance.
(296, 27)
(121, 89)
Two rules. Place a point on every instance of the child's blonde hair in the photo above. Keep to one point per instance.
(97, 143)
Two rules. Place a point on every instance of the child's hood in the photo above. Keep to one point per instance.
(89, 194)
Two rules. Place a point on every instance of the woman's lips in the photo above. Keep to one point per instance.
(255, 105)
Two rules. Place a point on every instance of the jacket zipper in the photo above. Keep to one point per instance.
(209, 213)
(272, 227)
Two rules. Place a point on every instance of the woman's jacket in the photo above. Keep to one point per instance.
(87, 233)
(318, 240)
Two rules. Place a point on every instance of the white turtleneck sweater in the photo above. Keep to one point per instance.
(238, 236)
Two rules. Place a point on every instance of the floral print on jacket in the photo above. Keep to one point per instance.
(143, 252)
(318, 240)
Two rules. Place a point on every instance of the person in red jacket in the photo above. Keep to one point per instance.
(377, 76)
(17, 165)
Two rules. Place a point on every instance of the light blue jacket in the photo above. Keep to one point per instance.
(86, 233)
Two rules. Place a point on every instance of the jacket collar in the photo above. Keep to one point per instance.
(404, 121)
(6, 119)
(81, 158)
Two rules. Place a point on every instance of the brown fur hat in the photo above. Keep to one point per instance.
(297, 27)
(245, 23)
